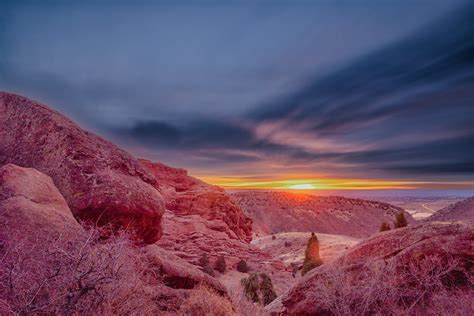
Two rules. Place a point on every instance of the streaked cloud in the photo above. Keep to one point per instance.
(260, 90)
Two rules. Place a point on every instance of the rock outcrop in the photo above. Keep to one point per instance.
(460, 211)
(275, 212)
(407, 269)
(41, 240)
(100, 182)
(185, 195)
(31, 206)
(189, 236)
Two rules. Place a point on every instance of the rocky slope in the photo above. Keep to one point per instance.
(275, 212)
(185, 195)
(99, 181)
(290, 247)
(460, 211)
(45, 248)
(417, 269)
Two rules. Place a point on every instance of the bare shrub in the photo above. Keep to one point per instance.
(74, 275)
(205, 301)
(432, 285)
(243, 305)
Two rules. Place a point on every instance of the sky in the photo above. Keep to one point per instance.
(260, 94)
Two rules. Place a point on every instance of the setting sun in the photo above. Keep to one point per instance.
(306, 186)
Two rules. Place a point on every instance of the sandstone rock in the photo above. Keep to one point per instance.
(34, 216)
(460, 211)
(185, 195)
(388, 262)
(189, 236)
(176, 273)
(275, 212)
(31, 206)
(99, 181)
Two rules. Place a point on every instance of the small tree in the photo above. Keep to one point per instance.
(251, 286)
(400, 220)
(384, 227)
(242, 266)
(259, 288)
(220, 264)
(204, 263)
(266, 288)
(311, 257)
(204, 260)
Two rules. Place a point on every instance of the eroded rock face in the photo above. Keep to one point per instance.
(396, 260)
(189, 236)
(30, 205)
(185, 195)
(460, 211)
(99, 181)
(276, 212)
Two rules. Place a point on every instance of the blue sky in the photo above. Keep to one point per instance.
(372, 89)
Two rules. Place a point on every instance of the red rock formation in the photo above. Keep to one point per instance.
(99, 181)
(189, 236)
(399, 270)
(30, 205)
(185, 195)
(34, 215)
(460, 211)
(275, 212)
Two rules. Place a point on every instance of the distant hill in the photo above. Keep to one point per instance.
(275, 212)
(460, 211)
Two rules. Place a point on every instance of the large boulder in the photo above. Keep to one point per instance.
(31, 206)
(423, 269)
(185, 195)
(100, 182)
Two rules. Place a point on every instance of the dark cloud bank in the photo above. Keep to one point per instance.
(405, 110)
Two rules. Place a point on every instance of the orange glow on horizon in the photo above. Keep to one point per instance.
(303, 186)
(323, 184)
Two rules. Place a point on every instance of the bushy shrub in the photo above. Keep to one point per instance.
(220, 264)
(251, 286)
(266, 288)
(242, 266)
(259, 288)
(400, 220)
(384, 227)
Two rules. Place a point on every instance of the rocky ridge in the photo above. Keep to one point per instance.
(275, 212)
(100, 182)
